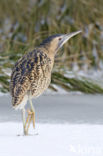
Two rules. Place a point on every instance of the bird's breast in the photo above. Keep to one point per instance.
(40, 79)
(40, 86)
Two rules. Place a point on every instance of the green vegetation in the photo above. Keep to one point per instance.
(76, 84)
(25, 23)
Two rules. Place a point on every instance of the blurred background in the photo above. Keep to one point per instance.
(25, 23)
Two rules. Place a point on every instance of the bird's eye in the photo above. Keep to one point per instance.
(60, 39)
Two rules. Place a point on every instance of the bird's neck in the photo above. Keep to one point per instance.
(49, 52)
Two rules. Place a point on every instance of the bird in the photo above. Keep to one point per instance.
(31, 75)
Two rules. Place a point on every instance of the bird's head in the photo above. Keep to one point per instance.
(55, 42)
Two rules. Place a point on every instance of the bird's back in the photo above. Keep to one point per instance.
(30, 75)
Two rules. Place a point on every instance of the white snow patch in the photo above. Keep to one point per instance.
(52, 140)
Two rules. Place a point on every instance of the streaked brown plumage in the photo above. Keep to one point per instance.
(31, 74)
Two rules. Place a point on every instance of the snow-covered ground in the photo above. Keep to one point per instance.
(65, 126)
(52, 140)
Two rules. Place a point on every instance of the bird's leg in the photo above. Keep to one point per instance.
(30, 117)
(32, 112)
(23, 116)
(26, 123)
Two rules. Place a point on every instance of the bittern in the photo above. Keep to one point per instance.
(31, 75)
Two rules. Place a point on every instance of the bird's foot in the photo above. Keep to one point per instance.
(30, 117)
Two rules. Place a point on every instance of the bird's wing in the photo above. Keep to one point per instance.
(21, 74)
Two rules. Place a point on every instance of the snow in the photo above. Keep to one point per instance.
(65, 126)
(52, 140)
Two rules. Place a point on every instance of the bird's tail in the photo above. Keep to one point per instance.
(19, 102)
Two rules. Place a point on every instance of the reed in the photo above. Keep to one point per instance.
(24, 24)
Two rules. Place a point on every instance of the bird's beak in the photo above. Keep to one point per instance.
(66, 37)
